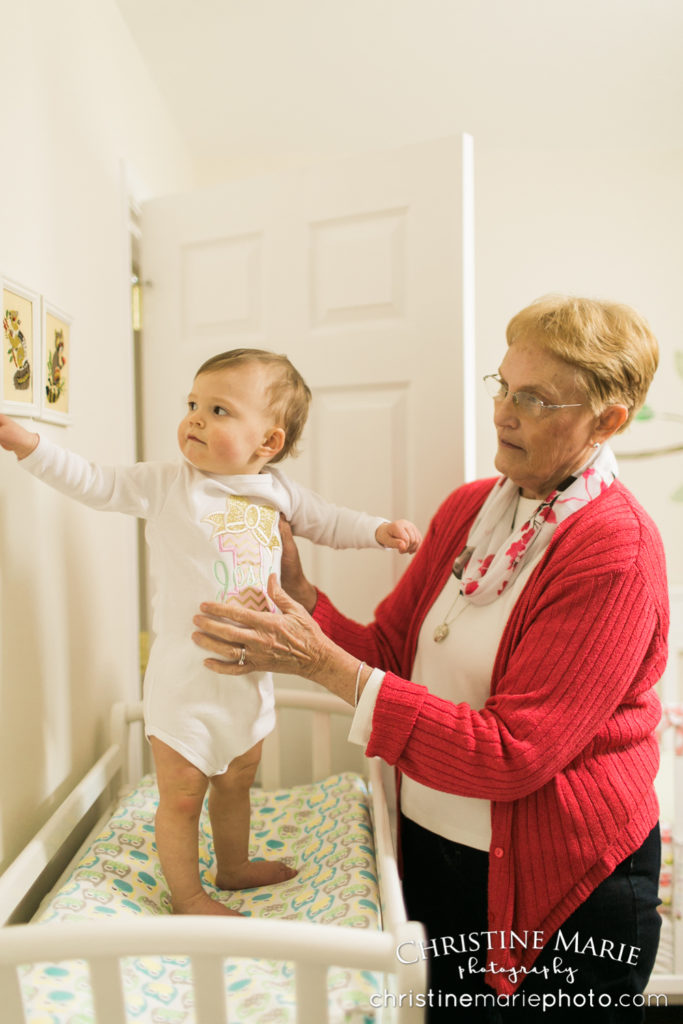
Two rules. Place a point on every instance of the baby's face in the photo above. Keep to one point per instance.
(227, 423)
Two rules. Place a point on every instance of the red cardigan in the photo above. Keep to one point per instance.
(564, 748)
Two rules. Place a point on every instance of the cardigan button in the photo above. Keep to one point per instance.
(498, 851)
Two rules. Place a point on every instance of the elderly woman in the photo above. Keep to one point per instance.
(510, 678)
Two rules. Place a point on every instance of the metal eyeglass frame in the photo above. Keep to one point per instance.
(524, 401)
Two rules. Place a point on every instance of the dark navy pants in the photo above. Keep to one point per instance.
(597, 964)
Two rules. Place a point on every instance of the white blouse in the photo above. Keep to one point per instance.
(459, 669)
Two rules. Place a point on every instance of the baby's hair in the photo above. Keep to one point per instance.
(288, 394)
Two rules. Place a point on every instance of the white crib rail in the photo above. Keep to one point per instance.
(27, 868)
(208, 942)
(321, 705)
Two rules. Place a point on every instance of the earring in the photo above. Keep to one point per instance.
(596, 444)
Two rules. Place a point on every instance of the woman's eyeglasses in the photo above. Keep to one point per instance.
(526, 403)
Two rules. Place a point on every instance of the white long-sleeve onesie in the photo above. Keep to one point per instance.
(210, 537)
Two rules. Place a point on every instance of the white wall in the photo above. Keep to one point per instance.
(603, 223)
(76, 100)
(575, 114)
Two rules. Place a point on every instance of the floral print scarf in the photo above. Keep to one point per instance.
(493, 556)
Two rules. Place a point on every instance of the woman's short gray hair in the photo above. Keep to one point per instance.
(611, 346)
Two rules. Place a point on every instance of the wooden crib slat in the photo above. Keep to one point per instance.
(391, 893)
(321, 745)
(209, 990)
(311, 993)
(12, 1003)
(107, 991)
(323, 705)
(270, 762)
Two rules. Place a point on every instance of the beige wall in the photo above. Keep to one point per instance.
(576, 126)
(76, 101)
(604, 223)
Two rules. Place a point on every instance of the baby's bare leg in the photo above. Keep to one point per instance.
(229, 810)
(181, 793)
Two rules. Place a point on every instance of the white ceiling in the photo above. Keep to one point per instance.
(258, 84)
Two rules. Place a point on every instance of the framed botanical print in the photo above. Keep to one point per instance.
(20, 367)
(56, 398)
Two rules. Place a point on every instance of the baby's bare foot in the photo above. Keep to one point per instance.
(202, 903)
(254, 873)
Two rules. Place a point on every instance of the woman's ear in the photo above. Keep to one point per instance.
(274, 443)
(609, 421)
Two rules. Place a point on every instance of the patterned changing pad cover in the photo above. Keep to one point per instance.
(323, 829)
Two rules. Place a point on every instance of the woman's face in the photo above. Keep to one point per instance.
(538, 454)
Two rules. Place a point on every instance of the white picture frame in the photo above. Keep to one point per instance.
(55, 400)
(22, 351)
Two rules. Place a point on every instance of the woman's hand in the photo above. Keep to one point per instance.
(294, 581)
(292, 642)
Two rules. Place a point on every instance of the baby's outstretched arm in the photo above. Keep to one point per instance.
(401, 534)
(15, 438)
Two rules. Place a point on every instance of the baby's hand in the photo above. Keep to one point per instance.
(15, 438)
(400, 534)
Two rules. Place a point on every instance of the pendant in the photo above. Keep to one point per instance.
(441, 632)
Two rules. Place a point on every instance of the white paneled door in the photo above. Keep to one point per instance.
(361, 272)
